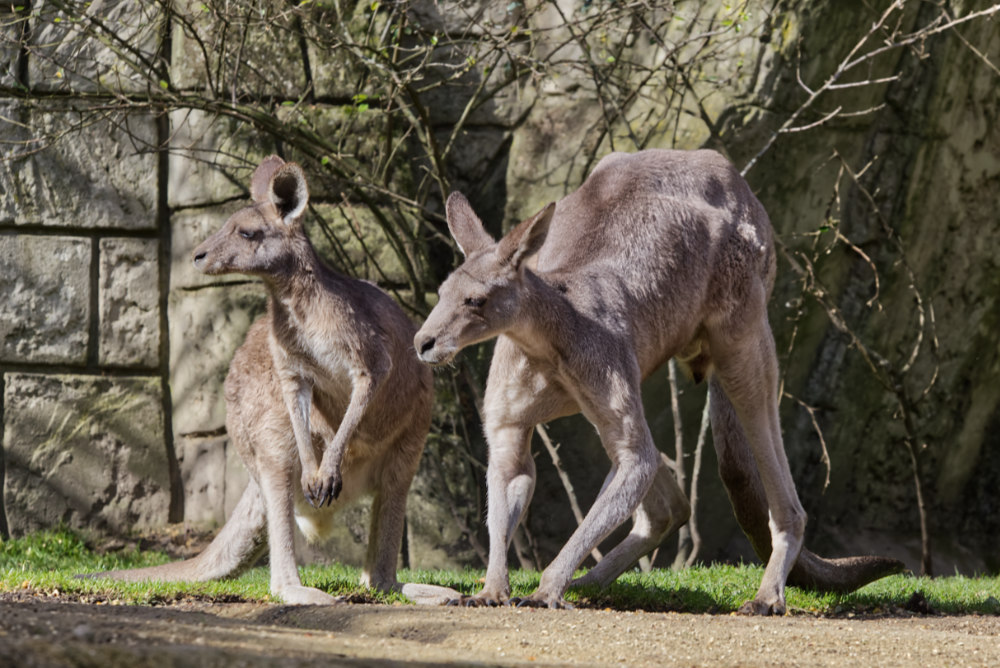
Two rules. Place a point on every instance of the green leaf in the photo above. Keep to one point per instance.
(164, 84)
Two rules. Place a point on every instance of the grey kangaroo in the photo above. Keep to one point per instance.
(326, 402)
(658, 254)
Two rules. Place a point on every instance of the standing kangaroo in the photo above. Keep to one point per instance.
(659, 254)
(326, 402)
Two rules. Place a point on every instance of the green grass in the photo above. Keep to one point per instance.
(44, 564)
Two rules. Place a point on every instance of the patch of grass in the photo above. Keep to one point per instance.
(46, 563)
(723, 588)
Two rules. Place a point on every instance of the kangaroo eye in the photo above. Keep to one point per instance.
(247, 234)
(475, 302)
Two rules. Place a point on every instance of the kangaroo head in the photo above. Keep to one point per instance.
(262, 238)
(481, 298)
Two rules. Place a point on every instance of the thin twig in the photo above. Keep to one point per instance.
(574, 505)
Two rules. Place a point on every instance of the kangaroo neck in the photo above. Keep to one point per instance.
(302, 279)
(547, 319)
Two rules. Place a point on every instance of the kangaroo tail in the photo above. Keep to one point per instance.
(235, 548)
(746, 494)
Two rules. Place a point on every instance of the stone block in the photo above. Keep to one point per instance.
(350, 240)
(69, 53)
(465, 17)
(206, 328)
(85, 451)
(11, 26)
(212, 158)
(44, 299)
(202, 462)
(264, 61)
(129, 302)
(360, 138)
(435, 537)
(213, 477)
(102, 177)
(12, 121)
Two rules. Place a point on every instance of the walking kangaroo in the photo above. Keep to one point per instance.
(659, 254)
(326, 402)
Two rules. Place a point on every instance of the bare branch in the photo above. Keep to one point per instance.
(574, 505)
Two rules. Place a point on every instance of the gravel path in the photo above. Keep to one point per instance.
(37, 632)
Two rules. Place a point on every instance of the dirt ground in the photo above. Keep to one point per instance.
(40, 632)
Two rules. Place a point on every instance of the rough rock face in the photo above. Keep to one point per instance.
(101, 310)
(129, 302)
(84, 451)
(44, 314)
(925, 214)
(920, 214)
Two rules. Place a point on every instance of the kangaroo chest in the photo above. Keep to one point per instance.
(313, 351)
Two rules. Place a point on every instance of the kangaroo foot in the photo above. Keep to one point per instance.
(760, 607)
(537, 600)
(481, 600)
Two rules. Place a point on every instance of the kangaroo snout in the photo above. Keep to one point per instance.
(206, 258)
(199, 259)
(429, 351)
(426, 345)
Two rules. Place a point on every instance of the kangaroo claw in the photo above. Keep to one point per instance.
(321, 491)
(477, 601)
(534, 601)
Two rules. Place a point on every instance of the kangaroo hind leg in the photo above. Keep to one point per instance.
(277, 482)
(662, 511)
(747, 372)
(635, 461)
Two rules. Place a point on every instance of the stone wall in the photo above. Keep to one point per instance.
(112, 349)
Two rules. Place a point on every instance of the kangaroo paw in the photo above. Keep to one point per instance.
(321, 489)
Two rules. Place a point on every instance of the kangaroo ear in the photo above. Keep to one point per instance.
(465, 225)
(526, 239)
(260, 182)
(289, 192)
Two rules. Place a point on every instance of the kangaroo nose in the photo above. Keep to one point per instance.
(199, 257)
(427, 345)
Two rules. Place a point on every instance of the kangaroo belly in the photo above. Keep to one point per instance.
(317, 524)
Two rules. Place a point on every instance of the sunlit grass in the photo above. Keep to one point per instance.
(45, 564)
